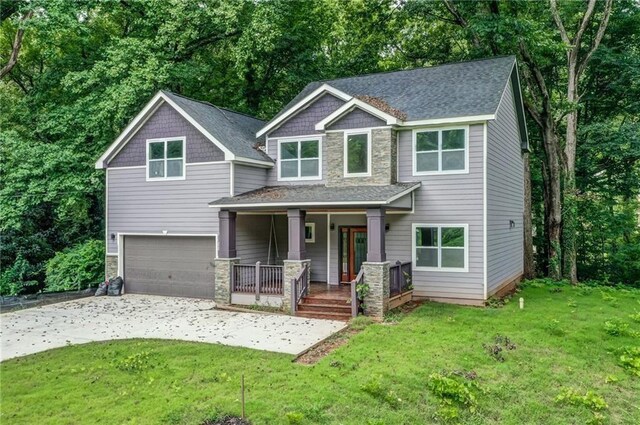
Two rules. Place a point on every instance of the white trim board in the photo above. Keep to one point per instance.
(357, 104)
(325, 88)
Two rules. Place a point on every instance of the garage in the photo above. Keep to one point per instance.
(178, 266)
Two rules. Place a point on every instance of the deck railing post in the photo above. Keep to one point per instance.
(257, 280)
(399, 276)
(294, 296)
(233, 277)
(354, 299)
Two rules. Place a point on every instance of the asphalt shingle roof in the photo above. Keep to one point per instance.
(321, 194)
(443, 91)
(236, 131)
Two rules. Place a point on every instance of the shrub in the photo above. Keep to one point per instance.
(616, 327)
(76, 268)
(15, 278)
(554, 328)
(375, 388)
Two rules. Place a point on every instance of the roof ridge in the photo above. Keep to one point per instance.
(204, 102)
(414, 69)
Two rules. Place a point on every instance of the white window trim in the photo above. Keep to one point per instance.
(184, 159)
(299, 140)
(440, 130)
(465, 269)
(312, 239)
(345, 150)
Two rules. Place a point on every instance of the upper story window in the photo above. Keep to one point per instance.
(440, 247)
(299, 159)
(441, 151)
(165, 159)
(357, 154)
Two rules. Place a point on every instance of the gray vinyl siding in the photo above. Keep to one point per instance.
(505, 196)
(166, 122)
(247, 178)
(357, 119)
(272, 173)
(303, 123)
(135, 205)
(443, 199)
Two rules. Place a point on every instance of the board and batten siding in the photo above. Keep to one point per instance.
(247, 178)
(135, 205)
(443, 199)
(505, 197)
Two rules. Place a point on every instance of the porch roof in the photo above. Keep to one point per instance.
(319, 196)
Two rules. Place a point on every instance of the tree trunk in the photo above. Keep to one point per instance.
(570, 208)
(529, 262)
(553, 203)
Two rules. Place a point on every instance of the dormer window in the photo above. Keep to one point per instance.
(299, 159)
(165, 159)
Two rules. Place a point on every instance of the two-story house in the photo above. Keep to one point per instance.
(393, 178)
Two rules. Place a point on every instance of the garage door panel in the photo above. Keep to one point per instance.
(169, 265)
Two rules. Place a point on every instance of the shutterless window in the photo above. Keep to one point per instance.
(441, 150)
(357, 153)
(299, 159)
(441, 247)
(166, 159)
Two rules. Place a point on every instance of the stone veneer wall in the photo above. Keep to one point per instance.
(111, 266)
(376, 275)
(291, 270)
(383, 162)
(222, 284)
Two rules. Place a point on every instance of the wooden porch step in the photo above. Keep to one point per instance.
(324, 315)
(326, 300)
(335, 308)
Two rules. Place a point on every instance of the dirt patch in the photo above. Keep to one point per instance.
(327, 346)
(227, 420)
(408, 307)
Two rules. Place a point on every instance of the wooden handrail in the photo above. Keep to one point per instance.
(299, 287)
(355, 302)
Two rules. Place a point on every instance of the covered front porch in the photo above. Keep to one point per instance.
(289, 257)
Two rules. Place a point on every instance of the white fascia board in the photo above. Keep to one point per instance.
(100, 163)
(320, 90)
(254, 162)
(357, 103)
(452, 120)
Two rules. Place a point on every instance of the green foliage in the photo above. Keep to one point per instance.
(15, 278)
(360, 322)
(378, 390)
(554, 327)
(496, 349)
(629, 359)
(453, 390)
(590, 400)
(616, 327)
(136, 362)
(294, 418)
(76, 268)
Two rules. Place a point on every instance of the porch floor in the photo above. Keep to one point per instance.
(329, 291)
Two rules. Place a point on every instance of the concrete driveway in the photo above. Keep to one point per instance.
(145, 316)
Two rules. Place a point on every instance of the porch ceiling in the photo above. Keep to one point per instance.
(318, 196)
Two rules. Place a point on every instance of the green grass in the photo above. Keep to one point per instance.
(389, 373)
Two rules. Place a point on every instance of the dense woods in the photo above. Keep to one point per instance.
(73, 73)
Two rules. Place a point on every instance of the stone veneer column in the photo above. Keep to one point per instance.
(291, 270)
(376, 275)
(222, 283)
(111, 266)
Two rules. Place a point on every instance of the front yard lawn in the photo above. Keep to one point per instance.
(568, 358)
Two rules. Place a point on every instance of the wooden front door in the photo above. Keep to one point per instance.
(353, 251)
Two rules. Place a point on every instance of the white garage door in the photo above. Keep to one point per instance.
(179, 266)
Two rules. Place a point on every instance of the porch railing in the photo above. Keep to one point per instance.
(399, 278)
(299, 288)
(355, 302)
(258, 279)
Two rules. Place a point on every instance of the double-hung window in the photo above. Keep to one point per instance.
(299, 159)
(165, 159)
(440, 151)
(357, 154)
(440, 247)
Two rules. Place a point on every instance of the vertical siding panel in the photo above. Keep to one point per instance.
(505, 196)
